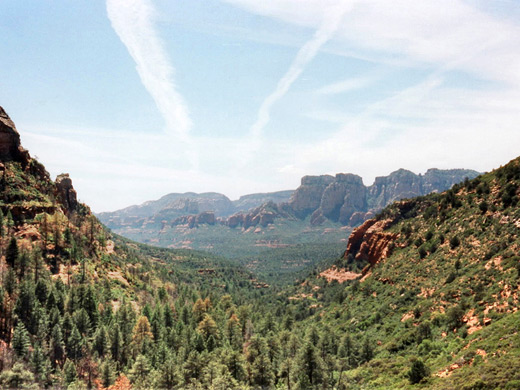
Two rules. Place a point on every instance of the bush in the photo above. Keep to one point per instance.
(417, 372)
(454, 242)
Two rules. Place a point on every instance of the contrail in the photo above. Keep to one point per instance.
(132, 21)
(330, 24)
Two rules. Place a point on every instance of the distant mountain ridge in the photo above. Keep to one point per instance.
(342, 198)
(180, 206)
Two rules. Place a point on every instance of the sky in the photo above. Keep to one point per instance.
(139, 98)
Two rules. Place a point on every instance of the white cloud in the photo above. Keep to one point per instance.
(344, 86)
(435, 32)
(332, 16)
(132, 20)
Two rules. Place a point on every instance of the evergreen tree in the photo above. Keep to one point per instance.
(11, 255)
(262, 373)
(82, 321)
(417, 372)
(139, 372)
(56, 346)
(69, 371)
(10, 282)
(38, 362)
(142, 333)
(169, 376)
(367, 353)
(101, 342)
(208, 327)
(2, 230)
(21, 341)
(25, 307)
(75, 344)
(107, 374)
(309, 366)
(22, 264)
(116, 344)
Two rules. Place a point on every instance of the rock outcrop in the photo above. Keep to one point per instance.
(345, 199)
(263, 216)
(342, 198)
(10, 147)
(307, 198)
(251, 201)
(66, 193)
(193, 221)
(404, 184)
(369, 242)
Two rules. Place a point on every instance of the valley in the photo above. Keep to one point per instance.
(425, 294)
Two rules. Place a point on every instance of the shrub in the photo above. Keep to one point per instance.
(417, 372)
(454, 242)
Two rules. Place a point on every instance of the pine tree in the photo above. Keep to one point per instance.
(10, 282)
(107, 375)
(91, 306)
(69, 371)
(140, 370)
(56, 345)
(17, 378)
(116, 344)
(22, 264)
(169, 376)
(2, 230)
(208, 327)
(309, 365)
(38, 362)
(101, 341)
(25, 307)
(21, 341)
(11, 255)
(367, 353)
(74, 344)
(142, 333)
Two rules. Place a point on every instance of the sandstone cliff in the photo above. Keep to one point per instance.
(345, 199)
(10, 147)
(37, 194)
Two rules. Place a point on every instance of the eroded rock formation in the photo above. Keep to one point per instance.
(66, 193)
(10, 147)
(370, 242)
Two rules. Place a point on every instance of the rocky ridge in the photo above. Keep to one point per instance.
(342, 199)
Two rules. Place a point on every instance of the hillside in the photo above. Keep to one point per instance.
(73, 295)
(432, 280)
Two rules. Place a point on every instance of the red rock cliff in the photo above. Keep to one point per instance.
(370, 242)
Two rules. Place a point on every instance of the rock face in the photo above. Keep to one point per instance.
(398, 185)
(66, 193)
(403, 184)
(370, 242)
(347, 200)
(251, 201)
(10, 148)
(307, 198)
(263, 216)
(342, 198)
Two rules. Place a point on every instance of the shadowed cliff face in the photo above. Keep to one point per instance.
(10, 148)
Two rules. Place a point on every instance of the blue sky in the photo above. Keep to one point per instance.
(139, 98)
